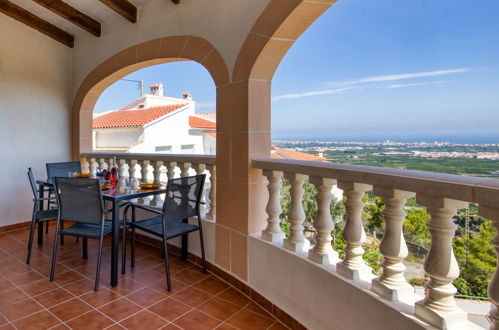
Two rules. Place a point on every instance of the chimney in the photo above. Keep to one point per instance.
(187, 96)
(157, 89)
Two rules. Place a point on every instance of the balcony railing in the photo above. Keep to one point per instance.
(441, 194)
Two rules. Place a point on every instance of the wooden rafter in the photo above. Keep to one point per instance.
(24, 16)
(123, 7)
(72, 14)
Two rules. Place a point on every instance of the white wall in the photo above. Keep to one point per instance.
(317, 297)
(35, 116)
(172, 130)
(117, 137)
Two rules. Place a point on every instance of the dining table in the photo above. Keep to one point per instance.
(125, 189)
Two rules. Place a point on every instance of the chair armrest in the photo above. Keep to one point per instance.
(146, 208)
(44, 199)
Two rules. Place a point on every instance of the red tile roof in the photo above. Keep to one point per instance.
(197, 122)
(212, 134)
(281, 153)
(133, 118)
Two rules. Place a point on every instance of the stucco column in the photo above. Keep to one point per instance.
(243, 134)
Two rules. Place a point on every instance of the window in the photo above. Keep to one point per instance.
(187, 148)
(165, 149)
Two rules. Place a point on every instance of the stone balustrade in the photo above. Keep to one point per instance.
(158, 168)
(441, 194)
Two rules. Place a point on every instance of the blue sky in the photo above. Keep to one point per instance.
(371, 70)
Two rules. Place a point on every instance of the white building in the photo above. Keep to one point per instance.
(156, 123)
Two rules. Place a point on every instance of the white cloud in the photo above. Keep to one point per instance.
(418, 84)
(395, 77)
(313, 93)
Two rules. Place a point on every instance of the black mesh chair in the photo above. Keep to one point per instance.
(182, 200)
(62, 169)
(80, 200)
(38, 216)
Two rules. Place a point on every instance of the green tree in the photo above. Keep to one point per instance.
(372, 215)
(415, 229)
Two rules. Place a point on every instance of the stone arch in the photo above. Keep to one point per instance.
(163, 50)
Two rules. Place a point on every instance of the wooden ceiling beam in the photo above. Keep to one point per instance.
(72, 14)
(22, 15)
(123, 7)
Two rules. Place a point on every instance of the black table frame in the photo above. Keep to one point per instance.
(115, 200)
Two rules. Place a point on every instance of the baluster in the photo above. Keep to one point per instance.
(156, 200)
(144, 170)
(93, 166)
(273, 232)
(296, 241)
(171, 170)
(323, 252)
(85, 166)
(110, 163)
(132, 169)
(213, 192)
(200, 169)
(121, 168)
(493, 289)
(102, 164)
(353, 266)
(392, 284)
(184, 169)
(439, 307)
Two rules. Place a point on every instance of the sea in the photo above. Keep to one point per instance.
(457, 139)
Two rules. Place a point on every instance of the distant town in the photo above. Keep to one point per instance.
(446, 157)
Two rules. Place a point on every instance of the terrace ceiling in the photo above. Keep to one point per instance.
(65, 20)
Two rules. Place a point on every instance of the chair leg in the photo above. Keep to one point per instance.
(40, 233)
(201, 241)
(99, 261)
(31, 234)
(123, 248)
(54, 251)
(47, 228)
(85, 248)
(185, 244)
(167, 265)
(132, 264)
(62, 236)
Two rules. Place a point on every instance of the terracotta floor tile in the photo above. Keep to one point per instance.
(3, 320)
(120, 309)
(190, 276)
(147, 261)
(211, 285)
(170, 309)
(278, 326)
(5, 285)
(146, 297)
(177, 286)
(192, 297)
(39, 287)
(234, 297)
(257, 309)
(219, 308)
(66, 278)
(196, 320)
(147, 276)
(90, 320)
(143, 320)
(101, 297)
(245, 319)
(115, 326)
(127, 286)
(40, 320)
(54, 297)
(12, 296)
(171, 326)
(25, 277)
(70, 309)
(80, 287)
(61, 327)
(225, 326)
(20, 309)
